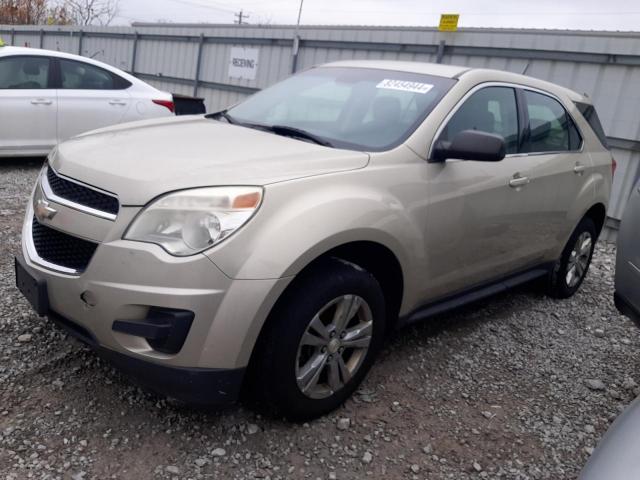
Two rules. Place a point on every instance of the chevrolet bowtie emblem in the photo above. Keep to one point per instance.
(43, 211)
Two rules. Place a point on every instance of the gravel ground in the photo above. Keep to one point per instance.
(517, 387)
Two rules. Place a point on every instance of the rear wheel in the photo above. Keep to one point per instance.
(570, 271)
(321, 340)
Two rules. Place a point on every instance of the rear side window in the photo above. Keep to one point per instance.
(24, 72)
(491, 110)
(551, 129)
(590, 115)
(84, 76)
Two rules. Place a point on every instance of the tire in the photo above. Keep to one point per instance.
(282, 365)
(561, 283)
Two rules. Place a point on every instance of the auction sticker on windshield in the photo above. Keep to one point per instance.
(404, 86)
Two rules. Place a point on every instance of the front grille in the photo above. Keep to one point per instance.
(80, 194)
(60, 248)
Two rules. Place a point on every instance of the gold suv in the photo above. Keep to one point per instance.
(269, 248)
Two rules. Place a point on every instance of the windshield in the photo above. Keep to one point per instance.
(353, 108)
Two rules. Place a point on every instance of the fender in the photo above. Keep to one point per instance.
(301, 220)
(593, 192)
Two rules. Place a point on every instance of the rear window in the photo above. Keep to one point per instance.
(590, 115)
(550, 126)
(84, 76)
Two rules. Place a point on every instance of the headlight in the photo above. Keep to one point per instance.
(188, 222)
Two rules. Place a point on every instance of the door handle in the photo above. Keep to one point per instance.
(41, 101)
(579, 168)
(519, 181)
(117, 102)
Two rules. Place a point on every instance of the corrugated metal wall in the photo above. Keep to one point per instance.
(605, 65)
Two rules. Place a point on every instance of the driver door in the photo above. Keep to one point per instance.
(29, 105)
(477, 227)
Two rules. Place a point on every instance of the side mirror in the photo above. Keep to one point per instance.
(470, 145)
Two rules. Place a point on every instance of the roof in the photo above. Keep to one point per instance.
(456, 71)
(6, 50)
(437, 69)
(36, 51)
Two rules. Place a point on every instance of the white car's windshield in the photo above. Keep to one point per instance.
(354, 108)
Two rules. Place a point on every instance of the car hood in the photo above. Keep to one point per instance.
(139, 161)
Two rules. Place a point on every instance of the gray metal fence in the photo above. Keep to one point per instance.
(198, 60)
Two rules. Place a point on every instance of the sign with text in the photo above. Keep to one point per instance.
(243, 63)
(448, 22)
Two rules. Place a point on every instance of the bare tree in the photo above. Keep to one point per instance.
(91, 12)
(32, 12)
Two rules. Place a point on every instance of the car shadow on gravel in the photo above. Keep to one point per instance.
(471, 315)
(11, 163)
(409, 337)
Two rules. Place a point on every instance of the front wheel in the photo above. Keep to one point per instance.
(570, 271)
(320, 341)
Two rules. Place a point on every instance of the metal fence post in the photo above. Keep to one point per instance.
(294, 51)
(13, 37)
(196, 79)
(80, 35)
(440, 52)
(41, 37)
(136, 36)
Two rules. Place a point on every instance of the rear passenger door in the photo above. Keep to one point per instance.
(89, 97)
(27, 105)
(554, 143)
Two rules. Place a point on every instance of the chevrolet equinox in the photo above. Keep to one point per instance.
(268, 249)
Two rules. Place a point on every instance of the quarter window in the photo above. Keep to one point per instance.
(551, 129)
(24, 73)
(590, 115)
(491, 110)
(84, 76)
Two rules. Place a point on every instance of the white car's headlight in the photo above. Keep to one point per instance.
(190, 221)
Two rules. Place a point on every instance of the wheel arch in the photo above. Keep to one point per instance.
(376, 258)
(597, 213)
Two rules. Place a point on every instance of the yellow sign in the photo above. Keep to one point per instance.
(1, 42)
(448, 22)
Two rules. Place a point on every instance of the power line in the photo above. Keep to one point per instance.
(208, 5)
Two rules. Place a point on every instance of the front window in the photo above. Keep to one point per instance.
(354, 108)
(24, 73)
(491, 110)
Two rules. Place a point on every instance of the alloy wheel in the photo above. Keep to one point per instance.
(333, 346)
(579, 259)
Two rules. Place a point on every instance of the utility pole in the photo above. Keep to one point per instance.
(240, 16)
(296, 41)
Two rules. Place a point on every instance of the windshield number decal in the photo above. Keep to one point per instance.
(404, 86)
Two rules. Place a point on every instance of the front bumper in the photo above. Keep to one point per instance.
(195, 386)
(126, 280)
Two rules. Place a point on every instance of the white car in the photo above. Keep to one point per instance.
(47, 97)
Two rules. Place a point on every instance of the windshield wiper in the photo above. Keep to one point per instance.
(287, 131)
(225, 115)
(283, 130)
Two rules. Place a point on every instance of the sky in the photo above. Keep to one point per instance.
(553, 14)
